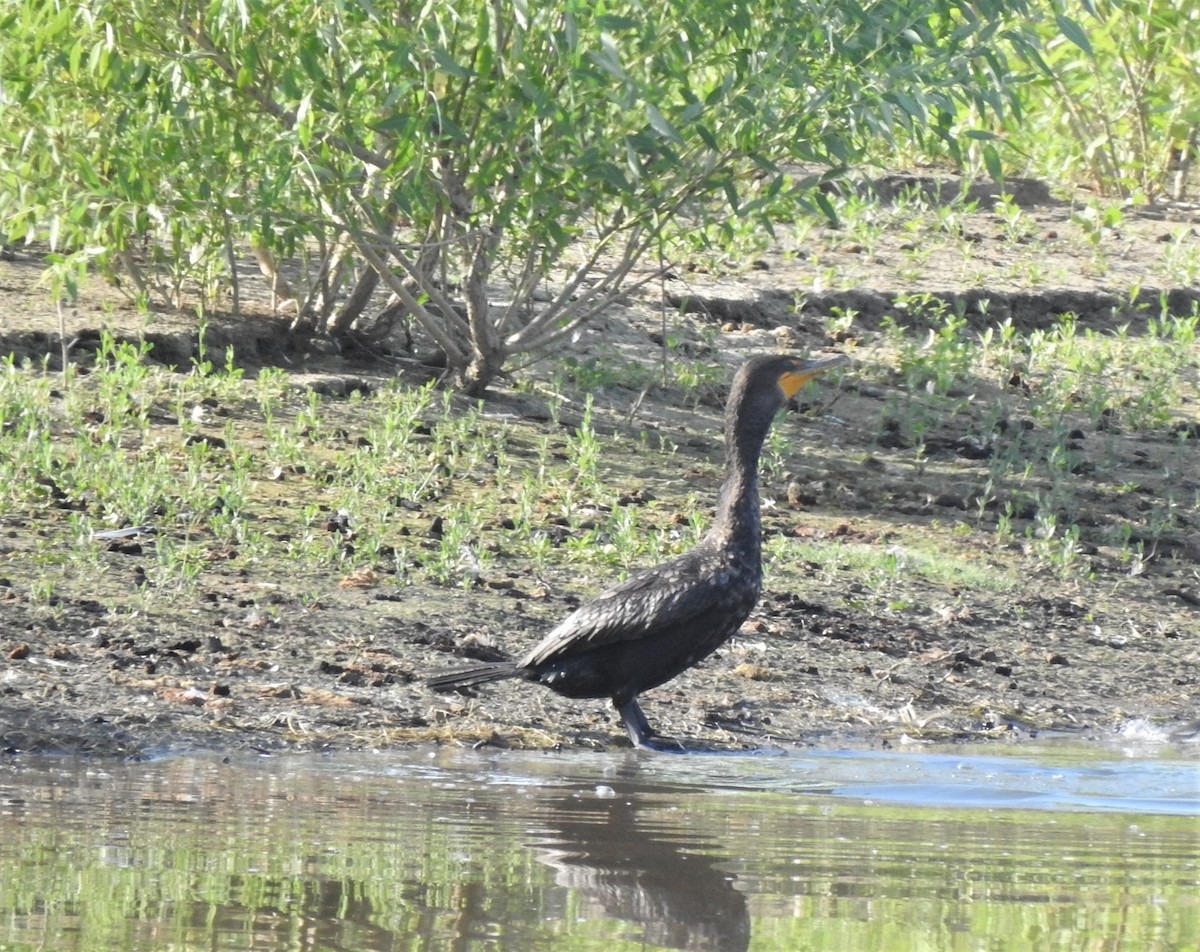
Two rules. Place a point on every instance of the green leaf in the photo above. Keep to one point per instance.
(396, 122)
(311, 64)
(612, 175)
(1074, 32)
(449, 65)
(991, 161)
(615, 22)
(521, 13)
(607, 58)
(660, 124)
(826, 207)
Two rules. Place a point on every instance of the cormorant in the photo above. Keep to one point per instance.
(660, 621)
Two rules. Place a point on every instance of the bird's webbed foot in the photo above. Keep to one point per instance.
(662, 745)
(640, 732)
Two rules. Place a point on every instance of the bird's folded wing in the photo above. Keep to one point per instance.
(641, 606)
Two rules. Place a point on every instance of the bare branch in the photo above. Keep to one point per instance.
(483, 331)
(523, 288)
(281, 290)
(420, 277)
(436, 328)
(547, 325)
(584, 310)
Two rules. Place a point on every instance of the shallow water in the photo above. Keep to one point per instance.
(1026, 848)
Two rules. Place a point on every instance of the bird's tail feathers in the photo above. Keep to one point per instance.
(470, 677)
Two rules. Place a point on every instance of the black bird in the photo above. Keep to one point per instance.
(662, 620)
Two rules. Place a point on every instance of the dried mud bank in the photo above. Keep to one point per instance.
(981, 307)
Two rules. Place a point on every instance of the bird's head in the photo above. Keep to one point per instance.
(761, 388)
(799, 372)
(764, 384)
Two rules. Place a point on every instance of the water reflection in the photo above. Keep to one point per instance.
(632, 868)
(458, 851)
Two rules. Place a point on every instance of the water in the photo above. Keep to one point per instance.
(457, 850)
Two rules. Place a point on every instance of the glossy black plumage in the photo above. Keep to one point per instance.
(662, 620)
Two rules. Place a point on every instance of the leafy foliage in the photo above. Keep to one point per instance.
(502, 168)
(1122, 79)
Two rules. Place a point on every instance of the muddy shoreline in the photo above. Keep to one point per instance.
(257, 658)
(899, 606)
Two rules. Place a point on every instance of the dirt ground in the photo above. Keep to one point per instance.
(257, 658)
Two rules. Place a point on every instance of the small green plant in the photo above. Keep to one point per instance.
(841, 322)
(1058, 548)
(1181, 259)
(864, 222)
(938, 363)
(1018, 226)
(916, 260)
(583, 450)
(591, 374)
(886, 565)
(1096, 220)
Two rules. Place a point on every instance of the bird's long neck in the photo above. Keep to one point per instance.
(737, 520)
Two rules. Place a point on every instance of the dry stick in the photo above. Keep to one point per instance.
(662, 313)
(552, 338)
(449, 315)
(1097, 161)
(231, 257)
(523, 289)
(1108, 128)
(534, 335)
(1137, 106)
(281, 290)
(343, 265)
(577, 277)
(604, 293)
(341, 253)
(1187, 157)
(134, 272)
(360, 295)
(332, 260)
(64, 346)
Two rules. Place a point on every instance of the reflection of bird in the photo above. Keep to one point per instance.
(662, 620)
(658, 874)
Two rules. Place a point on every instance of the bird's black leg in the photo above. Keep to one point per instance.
(640, 731)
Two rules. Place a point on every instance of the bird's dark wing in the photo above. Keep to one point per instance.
(685, 590)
